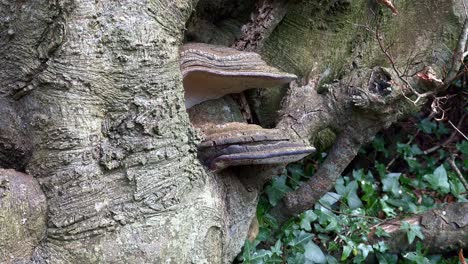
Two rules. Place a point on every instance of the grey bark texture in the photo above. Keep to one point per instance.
(444, 230)
(92, 107)
(23, 211)
(97, 89)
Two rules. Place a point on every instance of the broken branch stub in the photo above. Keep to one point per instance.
(210, 72)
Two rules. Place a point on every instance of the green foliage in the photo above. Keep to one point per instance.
(277, 190)
(438, 180)
(313, 253)
(412, 231)
(347, 189)
(463, 148)
(336, 229)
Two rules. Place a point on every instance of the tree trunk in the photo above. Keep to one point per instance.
(92, 107)
(96, 89)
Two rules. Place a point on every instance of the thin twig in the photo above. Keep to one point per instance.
(430, 150)
(350, 215)
(451, 161)
(400, 75)
(461, 258)
(456, 128)
(450, 139)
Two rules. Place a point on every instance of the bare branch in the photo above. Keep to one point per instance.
(458, 130)
(457, 171)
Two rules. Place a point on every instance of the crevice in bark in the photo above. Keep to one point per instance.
(15, 141)
(47, 44)
(15, 146)
(218, 22)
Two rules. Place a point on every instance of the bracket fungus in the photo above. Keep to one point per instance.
(210, 72)
(234, 144)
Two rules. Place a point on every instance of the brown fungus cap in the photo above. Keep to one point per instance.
(235, 144)
(210, 72)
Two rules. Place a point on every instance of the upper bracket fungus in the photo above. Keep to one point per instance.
(210, 72)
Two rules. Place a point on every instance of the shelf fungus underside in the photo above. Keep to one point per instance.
(210, 72)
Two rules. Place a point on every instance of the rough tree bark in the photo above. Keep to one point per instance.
(445, 229)
(91, 106)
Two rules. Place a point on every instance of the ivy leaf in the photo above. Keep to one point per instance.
(438, 180)
(441, 130)
(457, 189)
(416, 230)
(277, 190)
(247, 251)
(379, 145)
(365, 250)
(276, 249)
(358, 174)
(389, 211)
(380, 247)
(380, 232)
(349, 192)
(346, 252)
(391, 183)
(330, 198)
(340, 187)
(333, 225)
(381, 169)
(413, 164)
(300, 238)
(463, 147)
(416, 258)
(269, 220)
(264, 234)
(427, 126)
(405, 203)
(297, 258)
(313, 253)
(297, 172)
(412, 231)
(370, 194)
(331, 260)
(387, 258)
(352, 197)
(259, 256)
(415, 150)
(332, 246)
(308, 217)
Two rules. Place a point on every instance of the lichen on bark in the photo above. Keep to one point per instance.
(23, 211)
